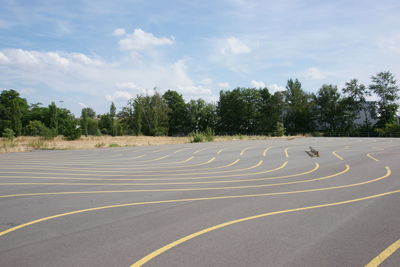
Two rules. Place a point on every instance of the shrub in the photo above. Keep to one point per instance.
(37, 128)
(100, 145)
(209, 134)
(279, 129)
(72, 131)
(8, 134)
(196, 137)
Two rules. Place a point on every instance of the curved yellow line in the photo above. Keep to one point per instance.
(169, 246)
(119, 175)
(378, 260)
(286, 152)
(135, 191)
(388, 173)
(133, 179)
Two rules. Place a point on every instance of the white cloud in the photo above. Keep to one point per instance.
(314, 74)
(117, 95)
(83, 105)
(257, 84)
(390, 43)
(3, 58)
(119, 32)
(140, 40)
(235, 46)
(273, 88)
(94, 80)
(223, 84)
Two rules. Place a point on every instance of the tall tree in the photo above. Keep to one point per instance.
(385, 87)
(178, 114)
(298, 117)
(13, 108)
(357, 102)
(328, 108)
(53, 116)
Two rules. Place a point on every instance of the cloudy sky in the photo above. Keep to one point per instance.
(89, 53)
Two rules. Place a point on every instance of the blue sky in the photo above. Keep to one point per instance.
(89, 53)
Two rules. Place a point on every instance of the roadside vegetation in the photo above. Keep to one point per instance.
(238, 112)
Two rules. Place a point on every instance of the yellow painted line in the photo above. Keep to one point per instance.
(152, 160)
(244, 150)
(164, 190)
(219, 151)
(388, 173)
(336, 155)
(179, 150)
(182, 178)
(371, 157)
(127, 168)
(123, 175)
(265, 151)
(198, 151)
(286, 152)
(169, 246)
(159, 150)
(378, 260)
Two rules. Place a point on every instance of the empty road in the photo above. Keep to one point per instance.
(237, 203)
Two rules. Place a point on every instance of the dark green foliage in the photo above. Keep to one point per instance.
(178, 115)
(8, 134)
(298, 104)
(12, 110)
(72, 130)
(37, 128)
(385, 87)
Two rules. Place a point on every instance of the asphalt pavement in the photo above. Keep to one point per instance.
(236, 203)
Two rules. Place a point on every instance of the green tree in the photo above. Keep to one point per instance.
(328, 108)
(298, 117)
(13, 108)
(238, 110)
(178, 115)
(385, 87)
(53, 111)
(201, 115)
(356, 99)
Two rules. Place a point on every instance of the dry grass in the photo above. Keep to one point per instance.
(29, 143)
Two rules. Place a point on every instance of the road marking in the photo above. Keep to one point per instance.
(122, 175)
(219, 151)
(130, 168)
(198, 151)
(132, 191)
(286, 153)
(384, 254)
(244, 150)
(181, 178)
(371, 157)
(265, 151)
(336, 155)
(12, 229)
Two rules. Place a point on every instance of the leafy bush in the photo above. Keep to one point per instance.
(196, 137)
(37, 128)
(279, 129)
(100, 145)
(72, 131)
(390, 129)
(209, 134)
(8, 134)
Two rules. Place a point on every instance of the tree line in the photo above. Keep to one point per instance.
(238, 111)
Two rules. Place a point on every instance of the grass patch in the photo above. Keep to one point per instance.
(113, 145)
